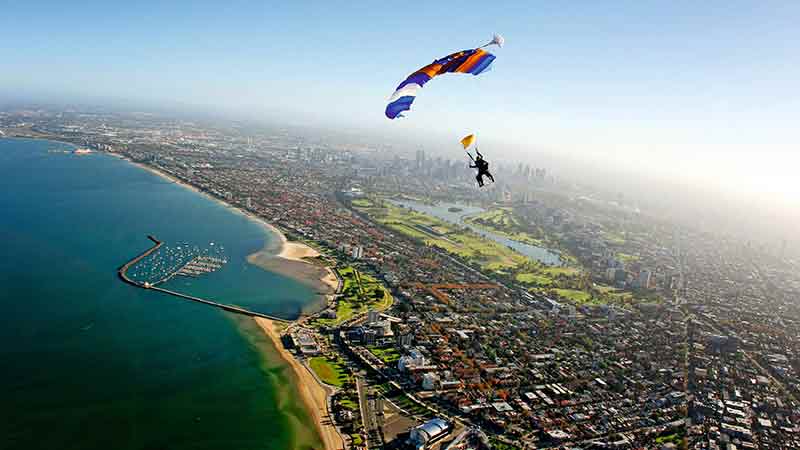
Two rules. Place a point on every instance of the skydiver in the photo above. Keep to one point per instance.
(483, 168)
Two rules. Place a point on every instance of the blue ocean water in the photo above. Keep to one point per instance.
(88, 362)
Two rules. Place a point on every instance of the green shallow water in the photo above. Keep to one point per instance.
(88, 362)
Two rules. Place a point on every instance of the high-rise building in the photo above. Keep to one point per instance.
(644, 279)
(619, 275)
(405, 340)
(372, 316)
(370, 337)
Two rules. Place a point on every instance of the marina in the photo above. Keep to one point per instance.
(196, 266)
(182, 259)
(201, 265)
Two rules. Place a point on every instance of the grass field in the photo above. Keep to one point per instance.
(614, 238)
(362, 203)
(557, 271)
(613, 295)
(360, 293)
(576, 296)
(387, 355)
(626, 258)
(406, 403)
(349, 403)
(332, 372)
(603, 289)
(502, 221)
(452, 238)
(535, 279)
(538, 275)
(489, 254)
(598, 295)
(497, 445)
(402, 400)
(675, 438)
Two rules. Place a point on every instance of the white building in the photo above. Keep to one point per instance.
(430, 381)
(428, 433)
(410, 361)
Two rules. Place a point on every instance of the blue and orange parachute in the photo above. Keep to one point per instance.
(474, 61)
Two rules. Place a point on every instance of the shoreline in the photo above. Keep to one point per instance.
(314, 394)
(285, 250)
(286, 258)
(289, 256)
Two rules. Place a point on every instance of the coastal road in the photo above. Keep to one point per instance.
(368, 415)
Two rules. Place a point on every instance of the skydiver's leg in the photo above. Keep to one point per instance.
(490, 176)
(479, 177)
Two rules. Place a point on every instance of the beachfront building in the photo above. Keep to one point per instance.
(428, 433)
(308, 346)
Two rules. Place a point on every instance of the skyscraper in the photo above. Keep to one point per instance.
(644, 279)
(372, 316)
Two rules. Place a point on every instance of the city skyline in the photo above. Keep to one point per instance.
(701, 94)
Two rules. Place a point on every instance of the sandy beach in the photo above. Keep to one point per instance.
(292, 260)
(284, 257)
(314, 394)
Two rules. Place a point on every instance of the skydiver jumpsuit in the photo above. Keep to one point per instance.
(483, 169)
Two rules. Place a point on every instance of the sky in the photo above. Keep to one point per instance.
(705, 92)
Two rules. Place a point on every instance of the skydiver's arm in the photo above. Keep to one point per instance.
(477, 152)
(473, 166)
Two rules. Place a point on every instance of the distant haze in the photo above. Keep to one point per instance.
(688, 95)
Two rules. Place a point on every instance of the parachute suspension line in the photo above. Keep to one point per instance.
(496, 40)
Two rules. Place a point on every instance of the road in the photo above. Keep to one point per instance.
(369, 417)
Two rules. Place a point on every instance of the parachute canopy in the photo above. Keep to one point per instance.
(468, 140)
(473, 61)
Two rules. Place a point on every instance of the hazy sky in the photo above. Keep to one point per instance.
(704, 90)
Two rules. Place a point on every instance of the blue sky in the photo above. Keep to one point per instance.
(705, 90)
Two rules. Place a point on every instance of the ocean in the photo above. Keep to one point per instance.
(88, 362)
